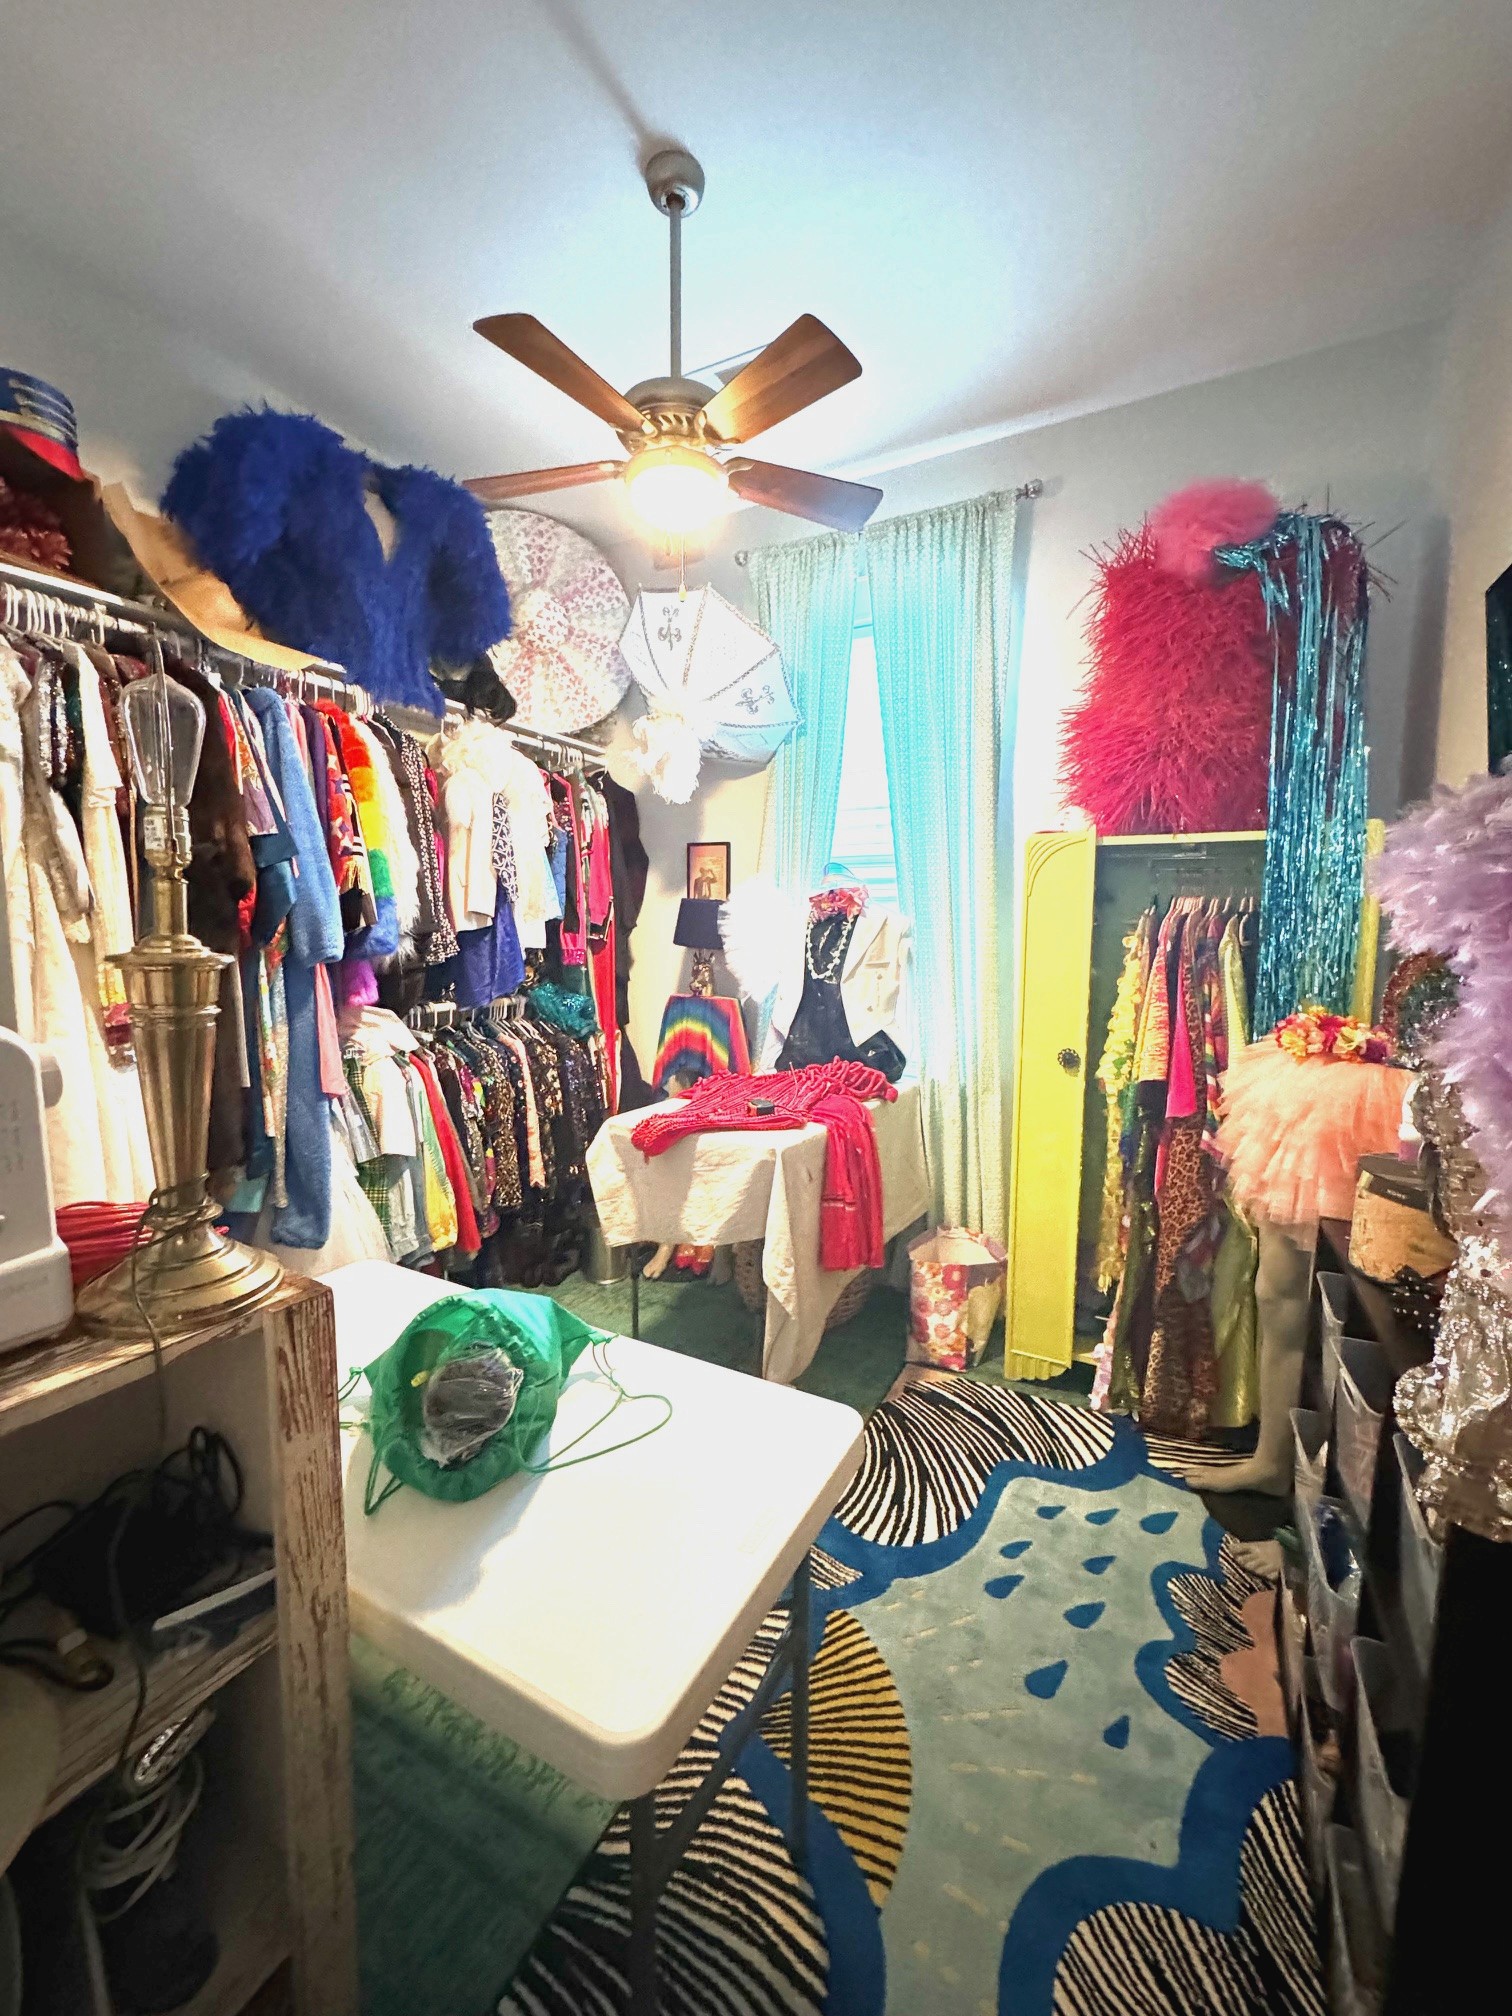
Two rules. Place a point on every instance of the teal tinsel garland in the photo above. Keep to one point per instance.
(1316, 585)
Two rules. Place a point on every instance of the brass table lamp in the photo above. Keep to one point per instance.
(185, 1272)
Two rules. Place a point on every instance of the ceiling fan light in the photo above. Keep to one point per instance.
(675, 489)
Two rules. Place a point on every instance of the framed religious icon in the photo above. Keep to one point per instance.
(709, 870)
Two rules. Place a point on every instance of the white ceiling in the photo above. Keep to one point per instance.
(1010, 211)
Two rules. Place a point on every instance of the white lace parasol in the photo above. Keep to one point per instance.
(713, 682)
(561, 661)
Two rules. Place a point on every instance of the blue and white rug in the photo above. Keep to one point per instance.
(1049, 1769)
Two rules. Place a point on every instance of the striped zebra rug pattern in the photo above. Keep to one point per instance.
(1049, 1772)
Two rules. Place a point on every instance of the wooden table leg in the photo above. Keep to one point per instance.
(641, 1970)
(799, 1626)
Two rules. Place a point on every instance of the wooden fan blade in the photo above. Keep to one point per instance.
(801, 365)
(529, 482)
(826, 499)
(533, 345)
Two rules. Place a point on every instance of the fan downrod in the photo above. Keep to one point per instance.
(674, 180)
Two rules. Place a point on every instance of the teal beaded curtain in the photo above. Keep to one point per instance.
(940, 596)
(1316, 583)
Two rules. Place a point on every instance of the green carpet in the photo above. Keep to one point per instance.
(465, 1843)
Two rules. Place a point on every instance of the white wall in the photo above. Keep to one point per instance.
(1475, 473)
(1350, 427)
(142, 390)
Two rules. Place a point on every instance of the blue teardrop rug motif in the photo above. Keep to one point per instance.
(1012, 1789)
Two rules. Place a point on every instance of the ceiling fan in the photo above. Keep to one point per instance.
(676, 431)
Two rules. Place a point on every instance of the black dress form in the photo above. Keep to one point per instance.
(820, 1032)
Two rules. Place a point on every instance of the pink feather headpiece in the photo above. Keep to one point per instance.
(1224, 511)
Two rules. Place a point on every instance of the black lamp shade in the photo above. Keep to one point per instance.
(698, 924)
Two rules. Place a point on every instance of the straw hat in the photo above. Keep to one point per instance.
(167, 558)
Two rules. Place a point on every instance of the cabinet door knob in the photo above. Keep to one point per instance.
(1068, 1059)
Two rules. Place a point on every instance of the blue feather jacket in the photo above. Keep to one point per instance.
(275, 505)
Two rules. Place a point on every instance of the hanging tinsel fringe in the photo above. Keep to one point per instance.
(1316, 585)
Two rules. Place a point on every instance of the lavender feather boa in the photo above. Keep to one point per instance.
(1445, 878)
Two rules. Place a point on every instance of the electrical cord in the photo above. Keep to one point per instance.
(154, 1822)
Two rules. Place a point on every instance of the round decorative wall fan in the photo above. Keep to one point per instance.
(561, 662)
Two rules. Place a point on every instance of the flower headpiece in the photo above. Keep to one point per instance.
(1315, 1032)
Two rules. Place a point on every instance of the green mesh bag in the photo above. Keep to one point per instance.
(462, 1397)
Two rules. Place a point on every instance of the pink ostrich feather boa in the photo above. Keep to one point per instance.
(1445, 879)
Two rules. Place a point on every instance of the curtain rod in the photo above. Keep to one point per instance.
(1020, 494)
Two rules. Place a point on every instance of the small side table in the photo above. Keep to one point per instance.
(593, 1614)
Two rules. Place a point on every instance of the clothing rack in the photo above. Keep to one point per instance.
(32, 598)
(446, 1014)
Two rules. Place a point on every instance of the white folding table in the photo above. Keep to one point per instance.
(592, 1614)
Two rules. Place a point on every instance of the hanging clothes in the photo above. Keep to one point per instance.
(1178, 1349)
(1235, 1318)
(1115, 1076)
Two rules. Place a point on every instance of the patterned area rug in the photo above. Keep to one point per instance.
(1050, 1775)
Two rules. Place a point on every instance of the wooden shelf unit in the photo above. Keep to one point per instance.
(72, 1414)
(95, 1725)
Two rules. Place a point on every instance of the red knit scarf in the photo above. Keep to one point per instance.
(850, 1217)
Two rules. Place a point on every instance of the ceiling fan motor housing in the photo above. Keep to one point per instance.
(673, 408)
(674, 177)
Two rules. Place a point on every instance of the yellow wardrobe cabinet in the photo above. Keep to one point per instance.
(1081, 896)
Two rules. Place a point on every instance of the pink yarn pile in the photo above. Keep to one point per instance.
(1446, 880)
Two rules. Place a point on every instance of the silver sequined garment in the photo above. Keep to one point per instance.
(1458, 1409)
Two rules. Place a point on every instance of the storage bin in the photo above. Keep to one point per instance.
(1333, 1301)
(1331, 1612)
(1357, 1944)
(1420, 1560)
(1316, 1751)
(1385, 1762)
(1361, 1398)
(1310, 1458)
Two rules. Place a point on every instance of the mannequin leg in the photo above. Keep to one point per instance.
(1283, 1287)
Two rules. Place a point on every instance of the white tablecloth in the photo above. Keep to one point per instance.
(717, 1189)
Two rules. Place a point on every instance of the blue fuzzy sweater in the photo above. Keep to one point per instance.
(274, 503)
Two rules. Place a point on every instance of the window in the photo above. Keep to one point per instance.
(863, 843)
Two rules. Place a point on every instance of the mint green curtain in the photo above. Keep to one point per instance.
(941, 601)
(806, 603)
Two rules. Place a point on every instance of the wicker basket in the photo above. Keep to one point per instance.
(753, 1290)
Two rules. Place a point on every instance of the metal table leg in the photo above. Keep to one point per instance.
(799, 1625)
(645, 1888)
(655, 1852)
(635, 1281)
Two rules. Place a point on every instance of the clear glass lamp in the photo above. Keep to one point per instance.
(185, 1272)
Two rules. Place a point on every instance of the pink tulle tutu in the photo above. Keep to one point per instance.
(1293, 1130)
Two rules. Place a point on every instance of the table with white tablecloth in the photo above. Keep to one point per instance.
(718, 1189)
